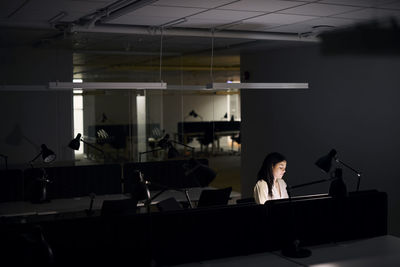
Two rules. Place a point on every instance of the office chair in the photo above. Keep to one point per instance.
(208, 137)
(214, 197)
(169, 204)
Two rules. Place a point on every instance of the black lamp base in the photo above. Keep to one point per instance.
(293, 250)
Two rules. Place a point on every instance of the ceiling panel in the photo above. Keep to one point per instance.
(281, 19)
(141, 20)
(203, 23)
(164, 11)
(252, 26)
(263, 23)
(392, 5)
(230, 15)
(360, 3)
(261, 5)
(43, 10)
(315, 26)
(41, 15)
(110, 51)
(370, 13)
(69, 6)
(334, 22)
(193, 3)
(293, 28)
(319, 10)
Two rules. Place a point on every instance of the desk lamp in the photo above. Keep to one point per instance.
(194, 115)
(165, 143)
(75, 144)
(325, 163)
(48, 156)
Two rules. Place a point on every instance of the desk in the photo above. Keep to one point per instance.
(208, 130)
(379, 251)
(75, 207)
(232, 235)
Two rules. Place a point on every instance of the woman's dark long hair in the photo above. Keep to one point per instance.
(265, 172)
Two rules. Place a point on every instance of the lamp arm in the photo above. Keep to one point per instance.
(354, 170)
(92, 146)
(148, 151)
(98, 149)
(35, 158)
(310, 183)
(175, 142)
(349, 167)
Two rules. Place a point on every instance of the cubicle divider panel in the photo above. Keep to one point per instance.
(208, 233)
(177, 237)
(169, 173)
(76, 181)
(318, 220)
(11, 185)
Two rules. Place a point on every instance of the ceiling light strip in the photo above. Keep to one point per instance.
(28, 88)
(225, 86)
(186, 87)
(107, 85)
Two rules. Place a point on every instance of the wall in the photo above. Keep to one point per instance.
(352, 106)
(177, 107)
(36, 117)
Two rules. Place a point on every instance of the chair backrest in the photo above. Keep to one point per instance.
(214, 197)
(249, 200)
(169, 204)
(119, 207)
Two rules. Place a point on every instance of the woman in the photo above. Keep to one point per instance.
(270, 184)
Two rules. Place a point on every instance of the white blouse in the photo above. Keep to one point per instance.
(261, 191)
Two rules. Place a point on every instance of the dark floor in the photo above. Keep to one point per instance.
(228, 171)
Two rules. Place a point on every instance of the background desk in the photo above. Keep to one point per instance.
(75, 207)
(209, 130)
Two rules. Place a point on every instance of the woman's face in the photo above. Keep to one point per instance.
(279, 169)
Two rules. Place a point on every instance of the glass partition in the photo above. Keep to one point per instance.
(152, 125)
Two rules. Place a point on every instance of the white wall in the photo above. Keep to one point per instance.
(178, 105)
(352, 106)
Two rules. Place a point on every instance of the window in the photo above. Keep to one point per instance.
(78, 113)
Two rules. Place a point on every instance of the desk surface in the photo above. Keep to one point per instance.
(80, 204)
(382, 251)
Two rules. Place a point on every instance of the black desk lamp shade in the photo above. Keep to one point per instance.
(325, 162)
(39, 194)
(47, 154)
(75, 143)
